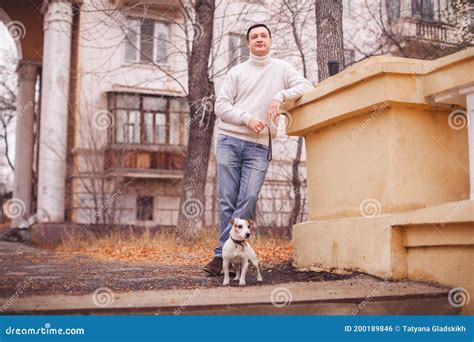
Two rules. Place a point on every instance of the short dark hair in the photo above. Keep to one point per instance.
(255, 26)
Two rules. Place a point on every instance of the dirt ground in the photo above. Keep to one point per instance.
(45, 271)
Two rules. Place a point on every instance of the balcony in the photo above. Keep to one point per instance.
(427, 31)
(149, 135)
(144, 161)
(431, 31)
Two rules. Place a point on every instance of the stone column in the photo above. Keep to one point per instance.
(469, 92)
(54, 111)
(23, 176)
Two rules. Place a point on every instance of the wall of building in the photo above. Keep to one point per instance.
(101, 68)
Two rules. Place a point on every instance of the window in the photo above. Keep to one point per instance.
(422, 9)
(145, 208)
(238, 50)
(393, 9)
(349, 57)
(147, 41)
(148, 119)
(346, 8)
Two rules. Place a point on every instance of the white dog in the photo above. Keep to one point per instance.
(237, 250)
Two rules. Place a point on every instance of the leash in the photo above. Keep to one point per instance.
(269, 153)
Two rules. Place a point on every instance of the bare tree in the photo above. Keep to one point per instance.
(190, 220)
(293, 18)
(8, 105)
(330, 43)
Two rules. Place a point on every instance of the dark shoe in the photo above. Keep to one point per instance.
(232, 271)
(214, 268)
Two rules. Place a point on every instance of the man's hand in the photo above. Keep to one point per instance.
(274, 111)
(256, 125)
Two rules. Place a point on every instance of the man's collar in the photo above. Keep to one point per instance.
(260, 60)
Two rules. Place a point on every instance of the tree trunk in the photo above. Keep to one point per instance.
(202, 118)
(296, 182)
(330, 46)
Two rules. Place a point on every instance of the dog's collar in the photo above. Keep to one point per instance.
(238, 242)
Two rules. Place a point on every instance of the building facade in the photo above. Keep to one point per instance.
(106, 138)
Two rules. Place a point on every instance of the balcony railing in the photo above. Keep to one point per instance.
(431, 31)
(145, 159)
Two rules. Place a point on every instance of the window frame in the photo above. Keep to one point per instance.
(421, 13)
(393, 9)
(346, 10)
(115, 110)
(239, 50)
(138, 41)
(142, 203)
(350, 52)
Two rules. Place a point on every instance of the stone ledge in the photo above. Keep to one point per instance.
(360, 295)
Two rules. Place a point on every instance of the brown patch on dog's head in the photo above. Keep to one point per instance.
(234, 222)
(251, 223)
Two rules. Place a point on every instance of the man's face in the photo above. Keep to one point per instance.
(259, 41)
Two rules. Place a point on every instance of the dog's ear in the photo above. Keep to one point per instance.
(252, 223)
(232, 221)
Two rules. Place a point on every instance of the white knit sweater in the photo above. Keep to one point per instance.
(248, 90)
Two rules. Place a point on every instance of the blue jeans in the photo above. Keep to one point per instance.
(241, 170)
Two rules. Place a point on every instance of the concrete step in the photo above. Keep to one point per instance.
(361, 295)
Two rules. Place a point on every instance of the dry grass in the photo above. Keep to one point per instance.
(163, 248)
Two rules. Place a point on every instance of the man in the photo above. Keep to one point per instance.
(249, 98)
